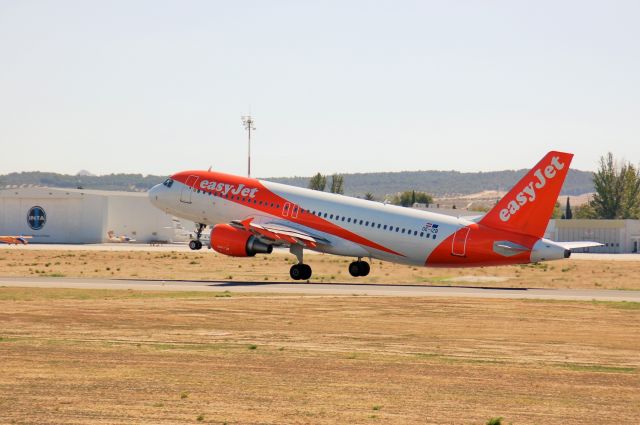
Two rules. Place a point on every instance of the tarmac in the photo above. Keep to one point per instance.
(324, 289)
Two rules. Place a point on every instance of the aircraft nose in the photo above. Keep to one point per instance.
(154, 195)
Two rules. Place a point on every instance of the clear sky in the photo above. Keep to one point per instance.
(335, 86)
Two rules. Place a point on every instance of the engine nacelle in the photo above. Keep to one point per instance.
(234, 242)
(545, 250)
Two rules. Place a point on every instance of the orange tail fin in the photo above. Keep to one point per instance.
(529, 205)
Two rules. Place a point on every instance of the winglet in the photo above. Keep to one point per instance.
(529, 205)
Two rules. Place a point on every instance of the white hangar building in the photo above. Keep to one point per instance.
(54, 215)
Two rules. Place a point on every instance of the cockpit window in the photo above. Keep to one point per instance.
(168, 183)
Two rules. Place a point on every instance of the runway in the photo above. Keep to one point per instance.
(324, 289)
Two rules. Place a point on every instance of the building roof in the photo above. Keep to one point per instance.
(59, 191)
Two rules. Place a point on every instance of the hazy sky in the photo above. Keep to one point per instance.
(344, 86)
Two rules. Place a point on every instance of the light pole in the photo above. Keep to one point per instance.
(247, 121)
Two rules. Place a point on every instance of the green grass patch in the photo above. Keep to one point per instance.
(621, 305)
(453, 359)
(34, 294)
(597, 368)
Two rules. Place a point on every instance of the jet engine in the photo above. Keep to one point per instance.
(545, 250)
(235, 242)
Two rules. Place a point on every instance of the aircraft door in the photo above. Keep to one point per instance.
(459, 244)
(187, 190)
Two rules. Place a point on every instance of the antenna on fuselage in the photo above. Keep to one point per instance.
(247, 121)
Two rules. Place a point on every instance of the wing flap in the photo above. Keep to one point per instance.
(281, 233)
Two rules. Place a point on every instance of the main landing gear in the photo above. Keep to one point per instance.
(197, 244)
(359, 268)
(299, 271)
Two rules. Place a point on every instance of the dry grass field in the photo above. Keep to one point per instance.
(207, 265)
(75, 356)
(124, 357)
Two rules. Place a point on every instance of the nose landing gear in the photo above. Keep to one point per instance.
(197, 244)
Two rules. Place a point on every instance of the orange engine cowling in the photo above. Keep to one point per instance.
(229, 240)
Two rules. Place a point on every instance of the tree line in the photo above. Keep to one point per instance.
(406, 199)
(617, 192)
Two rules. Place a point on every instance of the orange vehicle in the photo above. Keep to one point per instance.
(15, 240)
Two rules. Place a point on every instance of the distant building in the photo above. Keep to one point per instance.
(618, 236)
(52, 215)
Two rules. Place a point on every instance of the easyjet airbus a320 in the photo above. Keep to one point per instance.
(249, 216)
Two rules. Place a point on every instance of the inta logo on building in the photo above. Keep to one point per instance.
(36, 218)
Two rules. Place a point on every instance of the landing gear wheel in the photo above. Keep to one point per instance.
(354, 269)
(300, 272)
(359, 268)
(195, 245)
(295, 272)
(364, 268)
(306, 271)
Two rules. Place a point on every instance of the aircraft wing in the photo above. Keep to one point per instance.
(579, 244)
(281, 233)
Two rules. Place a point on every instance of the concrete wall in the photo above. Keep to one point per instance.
(83, 216)
(70, 217)
(136, 217)
(618, 236)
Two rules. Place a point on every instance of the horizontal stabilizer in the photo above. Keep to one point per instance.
(579, 244)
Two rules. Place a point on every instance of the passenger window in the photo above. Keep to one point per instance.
(421, 234)
(325, 215)
(415, 233)
(402, 230)
(349, 220)
(366, 223)
(277, 206)
(397, 229)
(384, 227)
(379, 225)
(361, 222)
(342, 218)
(331, 216)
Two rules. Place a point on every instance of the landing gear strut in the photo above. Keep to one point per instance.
(299, 271)
(359, 268)
(197, 244)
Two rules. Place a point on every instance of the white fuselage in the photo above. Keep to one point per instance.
(410, 234)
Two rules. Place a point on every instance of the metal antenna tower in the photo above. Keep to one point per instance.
(247, 121)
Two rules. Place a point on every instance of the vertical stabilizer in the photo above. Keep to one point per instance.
(529, 205)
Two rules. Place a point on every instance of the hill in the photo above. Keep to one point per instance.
(438, 183)
(443, 183)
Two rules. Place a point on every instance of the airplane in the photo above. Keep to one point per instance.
(250, 216)
(15, 240)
